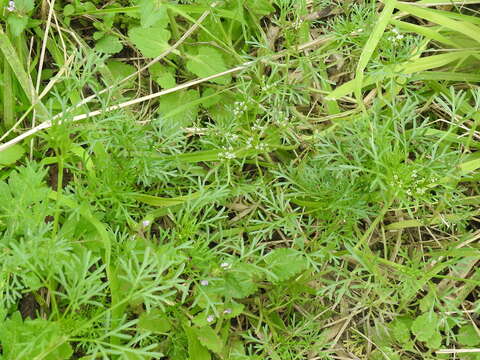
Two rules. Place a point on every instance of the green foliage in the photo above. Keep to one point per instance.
(17, 339)
(150, 46)
(283, 264)
(109, 44)
(264, 214)
(207, 61)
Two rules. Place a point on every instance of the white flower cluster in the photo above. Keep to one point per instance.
(239, 107)
(397, 36)
(415, 185)
(11, 6)
(228, 153)
(297, 23)
(258, 127)
(231, 137)
(261, 147)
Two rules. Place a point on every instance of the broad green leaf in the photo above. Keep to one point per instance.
(23, 78)
(284, 264)
(260, 7)
(68, 10)
(196, 350)
(150, 41)
(17, 24)
(371, 45)
(33, 339)
(208, 61)
(24, 6)
(427, 302)
(210, 97)
(153, 12)
(432, 62)
(425, 326)
(435, 341)
(155, 321)
(209, 339)
(401, 329)
(468, 336)
(119, 71)
(166, 80)
(11, 155)
(406, 68)
(463, 27)
(239, 283)
(180, 108)
(163, 75)
(109, 44)
(469, 166)
(428, 32)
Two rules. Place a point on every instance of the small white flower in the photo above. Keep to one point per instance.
(11, 6)
(210, 318)
(360, 30)
(204, 282)
(225, 265)
(261, 147)
(228, 155)
(227, 311)
(145, 223)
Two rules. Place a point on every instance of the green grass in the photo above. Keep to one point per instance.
(255, 179)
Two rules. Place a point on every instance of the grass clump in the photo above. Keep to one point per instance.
(239, 180)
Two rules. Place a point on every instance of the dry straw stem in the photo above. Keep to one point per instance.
(41, 63)
(49, 123)
(458, 351)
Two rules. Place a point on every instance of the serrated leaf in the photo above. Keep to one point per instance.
(11, 155)
(150, 41)
(209, 339)
(468, 336)
(426, 303)
(425, 326)
(68, 10)
(260, 7)
(163, 75)
(109, 44)
(155, 321)
(401, 330)
(119, 71)
(179, 108)
(210, 97)
(206, 62)
(284, 264)
(239, 282)
(24, 6)
(435, 341)
(195, 349)
(153, 12)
